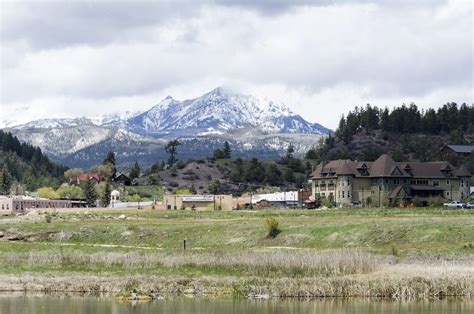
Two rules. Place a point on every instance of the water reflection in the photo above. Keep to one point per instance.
(39, 304)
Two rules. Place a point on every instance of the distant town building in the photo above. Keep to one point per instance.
(277, 199)
(198, 202)
(381, 181)
(459, 150)
(87, 176)
(23, 203)
(122, 179)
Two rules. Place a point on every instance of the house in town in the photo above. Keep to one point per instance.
(382, 181)
(87, 176)
(277, 199)
(24, 203)
(456, 150)
(197, 202)
(122, 179)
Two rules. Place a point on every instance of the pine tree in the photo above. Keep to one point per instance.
(5, 181)
(289, 152)
(134, 171)
(227, 151)
(110, 159)
(90, 194)
(273, 175)
(105, 196)
(171, 148)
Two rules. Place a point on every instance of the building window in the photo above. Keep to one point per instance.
(435, 182)
(3, 207)
(447, 194)
(343, 194)
(372, 192)
(448, 182)
(396, 181)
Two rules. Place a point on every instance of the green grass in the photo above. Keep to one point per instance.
(408, 232)
(147, 192)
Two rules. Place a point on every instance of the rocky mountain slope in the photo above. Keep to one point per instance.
(255, 127)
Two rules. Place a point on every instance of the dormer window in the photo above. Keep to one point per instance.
(407, 168)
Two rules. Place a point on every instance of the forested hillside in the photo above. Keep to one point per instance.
(406, 132)
(24, 167)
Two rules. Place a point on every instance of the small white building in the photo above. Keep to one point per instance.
(277, 199)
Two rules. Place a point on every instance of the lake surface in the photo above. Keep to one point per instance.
(39, 304)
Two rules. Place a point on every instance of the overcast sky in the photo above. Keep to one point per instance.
(320, 58)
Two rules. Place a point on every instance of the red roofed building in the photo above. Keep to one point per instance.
(88, 176)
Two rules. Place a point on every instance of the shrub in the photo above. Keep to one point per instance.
(48, 218)
(368, 201)
(327, 202)
(174, 184)
(180, 164)
(272, 227)
(417, 202)
(435, 202)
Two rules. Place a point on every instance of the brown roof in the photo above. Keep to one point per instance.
(463, 172)
(385, 166)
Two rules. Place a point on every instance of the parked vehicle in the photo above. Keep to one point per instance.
(469, 205)
(454, 204)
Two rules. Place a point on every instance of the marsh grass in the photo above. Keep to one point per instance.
(275, 264)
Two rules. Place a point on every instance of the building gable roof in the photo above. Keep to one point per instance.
(463, 149)
(385, 166)
(463, 172)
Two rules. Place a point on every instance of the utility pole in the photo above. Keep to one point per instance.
(380, 204)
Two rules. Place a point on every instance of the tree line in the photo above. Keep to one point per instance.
(25, 167)
(450, 118)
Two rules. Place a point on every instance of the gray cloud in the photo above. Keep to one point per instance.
(306, 53)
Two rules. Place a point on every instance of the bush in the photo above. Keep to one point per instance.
(327, 202)
(368, 201)
(435, 202)
(174, 184)
(417, 202)
(272, 227)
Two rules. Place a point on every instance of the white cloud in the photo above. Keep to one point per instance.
(320, 58)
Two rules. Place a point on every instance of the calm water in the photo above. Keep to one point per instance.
(19, 304)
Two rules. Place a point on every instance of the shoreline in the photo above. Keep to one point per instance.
(152, 287)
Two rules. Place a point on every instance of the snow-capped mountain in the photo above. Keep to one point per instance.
(254, 126)
(53, 123)
(217, 112)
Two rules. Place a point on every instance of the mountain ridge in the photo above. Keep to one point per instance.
(252, 124)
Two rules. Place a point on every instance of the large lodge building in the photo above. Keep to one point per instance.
(353, 182)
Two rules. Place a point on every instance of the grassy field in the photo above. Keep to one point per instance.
(234, 249)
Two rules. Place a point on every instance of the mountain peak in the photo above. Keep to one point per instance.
(220, 110)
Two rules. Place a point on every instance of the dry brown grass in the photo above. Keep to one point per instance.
(275, 264)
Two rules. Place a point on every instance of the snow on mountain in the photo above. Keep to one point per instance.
(219, 111)
(113, 119)
(53, 123)
(60, 141)
(254, 127)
